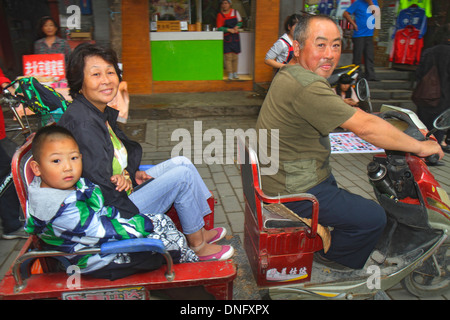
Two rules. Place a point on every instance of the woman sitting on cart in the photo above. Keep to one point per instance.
(111, 160)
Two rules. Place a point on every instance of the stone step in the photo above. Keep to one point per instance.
(395, 94)
(261, 87)
(390, 74)
(391, 85)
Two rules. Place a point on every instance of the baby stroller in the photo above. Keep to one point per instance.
(41, 99)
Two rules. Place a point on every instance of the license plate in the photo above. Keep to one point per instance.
(135, 293)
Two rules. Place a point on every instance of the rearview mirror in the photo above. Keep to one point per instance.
(362, 89)
(443, 121)
(363, 93)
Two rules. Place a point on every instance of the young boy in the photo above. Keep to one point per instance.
(67, 212)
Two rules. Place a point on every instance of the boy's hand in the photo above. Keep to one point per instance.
(121, 182)
(141, 176)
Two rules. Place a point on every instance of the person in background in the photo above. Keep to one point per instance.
(345, 90)
(229, 21)
(49, 41)
(9, 202)
(282, 50)
(363, 35)
(439, 55)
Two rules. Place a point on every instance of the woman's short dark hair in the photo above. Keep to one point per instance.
(77, 60)
(291, 21)
(41, 23)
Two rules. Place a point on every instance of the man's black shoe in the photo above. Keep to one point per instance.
(330, 264)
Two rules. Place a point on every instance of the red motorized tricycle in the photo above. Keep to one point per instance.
(413, 249)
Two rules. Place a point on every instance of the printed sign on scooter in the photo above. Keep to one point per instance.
(284, 276)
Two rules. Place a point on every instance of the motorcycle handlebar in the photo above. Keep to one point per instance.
(7, 98)
(433, 159)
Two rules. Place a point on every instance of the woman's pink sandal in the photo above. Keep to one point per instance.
(224, 254)
(221, 233)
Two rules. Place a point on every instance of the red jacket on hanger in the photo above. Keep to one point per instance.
(407, 46)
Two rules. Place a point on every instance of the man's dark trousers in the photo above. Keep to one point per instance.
(358, 222)
(363, 47)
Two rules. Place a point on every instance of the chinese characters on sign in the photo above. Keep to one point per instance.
(44, 65)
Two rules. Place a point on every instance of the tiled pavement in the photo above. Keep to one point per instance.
(224, 179)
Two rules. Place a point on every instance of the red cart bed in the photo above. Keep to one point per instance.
(216, 277)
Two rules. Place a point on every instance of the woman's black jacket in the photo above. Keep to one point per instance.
(87, 124)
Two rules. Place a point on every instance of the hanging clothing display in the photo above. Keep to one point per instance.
(424, 4)
(410, 28)
(413, 16)
(407, 46)
(326, 7)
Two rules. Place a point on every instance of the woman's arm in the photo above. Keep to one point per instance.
(278, 49)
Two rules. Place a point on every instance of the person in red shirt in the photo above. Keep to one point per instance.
(9, 203)
(229, 20)
(4, 82)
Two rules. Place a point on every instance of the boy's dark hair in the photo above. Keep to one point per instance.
(77, 59)
(45, 132)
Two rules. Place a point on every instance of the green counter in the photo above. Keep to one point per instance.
(187, 56)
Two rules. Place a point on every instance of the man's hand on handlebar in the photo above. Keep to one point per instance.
(430, 148)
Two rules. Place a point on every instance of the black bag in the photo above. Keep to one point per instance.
(428, 91)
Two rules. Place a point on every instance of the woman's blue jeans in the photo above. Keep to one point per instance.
(176, 182)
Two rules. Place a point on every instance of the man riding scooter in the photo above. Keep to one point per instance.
(303, 107)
